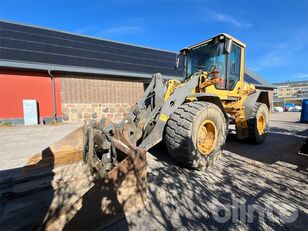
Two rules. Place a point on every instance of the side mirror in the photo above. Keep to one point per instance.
(228, 44)
(177, 61)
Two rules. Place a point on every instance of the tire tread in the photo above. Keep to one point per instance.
(179, 131)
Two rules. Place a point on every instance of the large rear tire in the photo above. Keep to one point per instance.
(195, 134)
(258, 124)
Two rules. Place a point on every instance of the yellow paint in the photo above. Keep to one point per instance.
(237, 90)
(164, 117)
(240, 91)
(222, 34)
(172, 85)
(238, 95)
(207, 137)
(261, 124)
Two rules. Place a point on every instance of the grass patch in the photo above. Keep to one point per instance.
(53, 123)
(6, 124)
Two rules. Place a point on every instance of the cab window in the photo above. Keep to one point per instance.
(203, 58)
(235, 66)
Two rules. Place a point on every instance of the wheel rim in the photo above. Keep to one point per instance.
(207, 137)
(261, 124)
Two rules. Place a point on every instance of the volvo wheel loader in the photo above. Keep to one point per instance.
(191, 116)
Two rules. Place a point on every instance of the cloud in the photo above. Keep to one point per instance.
(120, 30)
(301, 75)
(219, 17)
(274, 58)
(284, 53)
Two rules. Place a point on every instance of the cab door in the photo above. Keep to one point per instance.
(234, 75)
(234, 67)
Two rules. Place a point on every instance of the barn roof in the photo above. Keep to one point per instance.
(35, 48)
(24, 46)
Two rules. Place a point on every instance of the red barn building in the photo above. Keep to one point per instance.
(75, 77)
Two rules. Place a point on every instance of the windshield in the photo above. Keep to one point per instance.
(203, 58)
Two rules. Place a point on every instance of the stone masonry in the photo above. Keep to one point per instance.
(86, 97)
(83, 111)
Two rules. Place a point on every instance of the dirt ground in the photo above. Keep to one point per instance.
(267, 176)
(252, 187)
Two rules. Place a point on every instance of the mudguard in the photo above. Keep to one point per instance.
(257, 96)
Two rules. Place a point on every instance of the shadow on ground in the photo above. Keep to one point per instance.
(26, 194)
(42, 197)
(282, 145)
(259, 178)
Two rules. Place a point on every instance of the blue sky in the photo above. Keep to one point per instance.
(275, 31)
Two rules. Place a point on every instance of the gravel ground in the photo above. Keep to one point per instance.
(264, 178)
(19, 143)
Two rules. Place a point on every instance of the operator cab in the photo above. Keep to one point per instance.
(222, 53)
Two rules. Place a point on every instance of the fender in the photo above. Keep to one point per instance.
(211, 98)
(257, 96)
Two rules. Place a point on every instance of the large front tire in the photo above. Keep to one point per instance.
(195, 134)
(258, 124)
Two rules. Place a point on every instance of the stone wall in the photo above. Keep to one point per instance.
(83, 111)
(96, 97)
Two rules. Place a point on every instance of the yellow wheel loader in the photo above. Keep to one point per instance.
(191, 116)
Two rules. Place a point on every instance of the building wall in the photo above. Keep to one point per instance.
(96, 97)
(17, 85)
(290, 89)
(290, 92)
(271, 98)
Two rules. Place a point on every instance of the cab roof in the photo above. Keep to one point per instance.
(216, 36)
